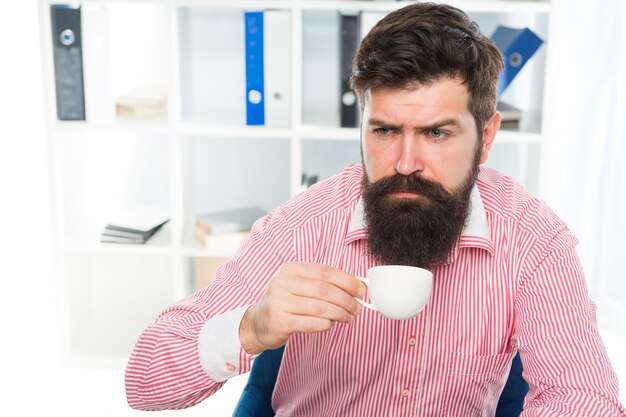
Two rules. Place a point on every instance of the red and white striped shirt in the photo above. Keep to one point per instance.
(513, 282)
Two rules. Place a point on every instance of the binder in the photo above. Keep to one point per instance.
(517, 47)
(349, 40)
(255, 91)
(277, 54)
(68, 61)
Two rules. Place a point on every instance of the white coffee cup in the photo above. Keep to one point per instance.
(398, 292)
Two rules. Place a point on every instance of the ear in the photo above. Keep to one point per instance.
(489, 134)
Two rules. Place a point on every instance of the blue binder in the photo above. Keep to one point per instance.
(517, 47)
(255, 91)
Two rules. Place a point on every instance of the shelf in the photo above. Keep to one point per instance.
(470, 6)
(310, 132)
(200, 156)
(226, 4)
(322, 132)
(512, 136)
(136, 127)
(159, 244)
(208, 130)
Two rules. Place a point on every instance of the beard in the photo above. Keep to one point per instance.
(418, 232)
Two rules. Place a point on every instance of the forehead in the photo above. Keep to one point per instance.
(420, 105)
(446, 93)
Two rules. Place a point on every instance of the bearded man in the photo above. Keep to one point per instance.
(506, 274)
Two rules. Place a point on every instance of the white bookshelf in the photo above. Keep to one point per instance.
(201, 156)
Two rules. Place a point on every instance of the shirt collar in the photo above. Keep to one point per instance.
(475, 232)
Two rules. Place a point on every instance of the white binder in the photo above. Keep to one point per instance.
(277, 44)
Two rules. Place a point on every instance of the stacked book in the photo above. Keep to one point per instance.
(509, 116)
(134, 226)
(142, 101)
(227, 228)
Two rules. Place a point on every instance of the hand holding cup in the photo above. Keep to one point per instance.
(398, 292)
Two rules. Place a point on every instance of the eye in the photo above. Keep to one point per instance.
(382, 131)
(437, 134)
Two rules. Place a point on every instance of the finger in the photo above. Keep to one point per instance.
(305, 306)
(308, 324)
(325, 291)
(347, 282)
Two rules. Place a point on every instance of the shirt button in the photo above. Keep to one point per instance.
(230, 367)
(412, 341)
(406, 392)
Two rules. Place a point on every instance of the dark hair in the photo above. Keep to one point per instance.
(425, 42)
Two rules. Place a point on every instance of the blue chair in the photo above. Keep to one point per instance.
(256, 398)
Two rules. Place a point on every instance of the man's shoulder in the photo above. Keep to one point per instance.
(337, 193)
(505, 199)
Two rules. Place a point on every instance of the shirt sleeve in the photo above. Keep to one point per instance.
(192, 347)
(564, 360)
(219, 347)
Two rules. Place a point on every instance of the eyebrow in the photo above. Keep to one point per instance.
(435, 125)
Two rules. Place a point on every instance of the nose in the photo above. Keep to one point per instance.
(410, 159)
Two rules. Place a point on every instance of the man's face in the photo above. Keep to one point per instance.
(428, 130)
(421, 152)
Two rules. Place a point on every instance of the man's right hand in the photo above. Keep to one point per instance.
(300, 298)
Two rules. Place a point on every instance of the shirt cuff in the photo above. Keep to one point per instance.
(220, 351)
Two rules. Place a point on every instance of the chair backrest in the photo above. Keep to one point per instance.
(256, 398)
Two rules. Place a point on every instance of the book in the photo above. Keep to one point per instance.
(134, 226)
(121, 239)
(227, 242)
(129, 233)
(517, 47)
(276, 59)
(112, 234)
(142, 101)
(229, 221)
(508, 112)
(68, 61)
(255, 89)
(139, 218)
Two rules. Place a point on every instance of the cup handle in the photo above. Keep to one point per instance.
(363, 303)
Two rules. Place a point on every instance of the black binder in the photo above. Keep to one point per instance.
(349, 42)
(68, 61)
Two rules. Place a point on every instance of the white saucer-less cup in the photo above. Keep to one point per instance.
(398, 292)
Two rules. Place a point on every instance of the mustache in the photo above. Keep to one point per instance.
(414, 183)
